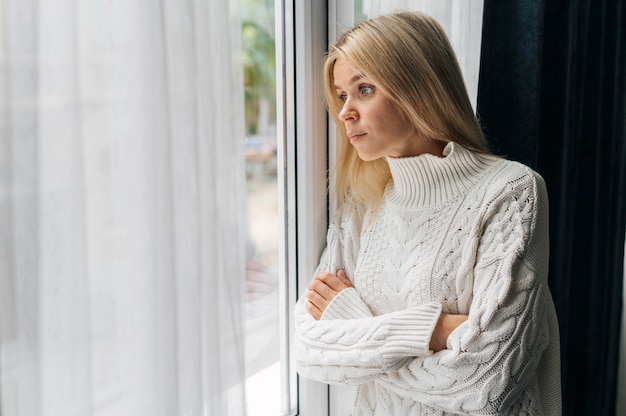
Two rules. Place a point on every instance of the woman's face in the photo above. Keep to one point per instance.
(375, 126)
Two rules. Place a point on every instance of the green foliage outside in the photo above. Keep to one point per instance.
(259, 60)
(259, 72)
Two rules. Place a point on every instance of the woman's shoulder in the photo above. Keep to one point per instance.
(349, 212)
(515, 195)
(492, 173)
(507, 176)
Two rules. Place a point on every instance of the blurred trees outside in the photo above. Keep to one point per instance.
(258, 44)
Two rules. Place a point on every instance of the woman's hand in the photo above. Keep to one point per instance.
(446, 324)
(323, 289)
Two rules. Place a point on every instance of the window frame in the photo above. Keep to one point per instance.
(301, 42)
(307, 149)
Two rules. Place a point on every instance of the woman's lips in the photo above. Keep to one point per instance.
(354, 137)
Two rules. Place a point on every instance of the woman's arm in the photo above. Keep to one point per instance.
(326, 286)
(490, 360)
(354, 351)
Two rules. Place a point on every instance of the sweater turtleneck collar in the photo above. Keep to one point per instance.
(428, 180)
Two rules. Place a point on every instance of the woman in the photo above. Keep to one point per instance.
(432, 292)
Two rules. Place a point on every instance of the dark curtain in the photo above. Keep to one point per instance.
(552, 95)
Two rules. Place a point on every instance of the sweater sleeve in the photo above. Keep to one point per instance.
(349, 345)
(492, 358)
(354, 351)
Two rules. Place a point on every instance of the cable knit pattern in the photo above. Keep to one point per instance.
(466, 233)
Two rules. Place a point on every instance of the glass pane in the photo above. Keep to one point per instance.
(262, 317)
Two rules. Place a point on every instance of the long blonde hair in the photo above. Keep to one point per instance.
(409, 58)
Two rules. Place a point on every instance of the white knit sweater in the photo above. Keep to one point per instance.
(466, 233)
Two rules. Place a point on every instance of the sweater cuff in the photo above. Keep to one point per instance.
(346, 305)
(410, 332)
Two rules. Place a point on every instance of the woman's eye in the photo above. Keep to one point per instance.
(366, 90)
(343, 97)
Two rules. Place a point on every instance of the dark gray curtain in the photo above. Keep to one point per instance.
(552, 95)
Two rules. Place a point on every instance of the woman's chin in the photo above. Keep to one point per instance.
(367, 157)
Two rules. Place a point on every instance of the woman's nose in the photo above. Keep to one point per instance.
(348, 112)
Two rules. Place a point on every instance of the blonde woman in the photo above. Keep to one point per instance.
(432, 294)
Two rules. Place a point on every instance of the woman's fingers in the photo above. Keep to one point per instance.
(313, 310)
(446, 324)
(328, 285)
(341, 274)
(315, 304)
(323, 289)
(336, 282)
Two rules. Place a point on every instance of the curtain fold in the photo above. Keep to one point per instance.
(122, 208)
(552, 95)
(510, 77)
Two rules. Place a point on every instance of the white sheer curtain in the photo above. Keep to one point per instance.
(122, 208)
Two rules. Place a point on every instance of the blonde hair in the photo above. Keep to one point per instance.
(408, 57)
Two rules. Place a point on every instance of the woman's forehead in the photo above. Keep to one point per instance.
(345, 72)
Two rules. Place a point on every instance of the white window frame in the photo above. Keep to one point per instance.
(301, 42)
(307, 149)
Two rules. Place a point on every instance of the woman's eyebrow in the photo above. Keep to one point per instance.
(354, 79)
